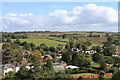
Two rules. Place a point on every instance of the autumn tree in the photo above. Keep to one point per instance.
(38, 55)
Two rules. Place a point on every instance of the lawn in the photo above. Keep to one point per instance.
(0, 77)
(82, 74)
(37, 41)
(96, 65)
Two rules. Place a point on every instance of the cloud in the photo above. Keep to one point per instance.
(11, 14)
(80, 18)
(56, 6)
(29, 14)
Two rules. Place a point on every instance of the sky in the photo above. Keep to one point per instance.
(59, 16)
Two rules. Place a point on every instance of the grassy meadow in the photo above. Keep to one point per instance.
(83, 74)
(37, 41)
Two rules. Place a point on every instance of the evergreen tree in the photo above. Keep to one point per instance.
(116, 76)
(66, 57)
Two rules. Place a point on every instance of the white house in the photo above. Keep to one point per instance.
(89, 52)
(71, 67)
(9, 67)
(59, 56)
(75, 50)
(116, 56)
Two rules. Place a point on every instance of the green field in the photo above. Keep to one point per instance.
(37, 42)
(49, 41)
(83, 74)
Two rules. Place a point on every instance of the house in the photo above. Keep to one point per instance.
(71, 67)
(26, 52)
(7, 68)
(59, 65)
(58, 68)
(47, 57)
(89, 51)
(75, 50)
(116, 65)
(59, 56)
(4, 69)
(64, 64)
(116, 56)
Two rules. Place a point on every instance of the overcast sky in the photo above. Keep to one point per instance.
(59, 16)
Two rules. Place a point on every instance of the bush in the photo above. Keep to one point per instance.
(75, 71)
(91, 70)
(83, 71)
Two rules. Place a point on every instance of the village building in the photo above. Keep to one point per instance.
(116, 56)
(71, 67)
(59, 65)
(87, 51)
(46, 57)
(75, 50)
(59, 56)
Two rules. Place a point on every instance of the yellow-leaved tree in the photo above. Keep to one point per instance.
(38, 55)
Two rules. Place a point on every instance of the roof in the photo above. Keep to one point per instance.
(58, 67)
(71, 66)
(59, 63)
(45, 56)
(8, 66)
(108, 74)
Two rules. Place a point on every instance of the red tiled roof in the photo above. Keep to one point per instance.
(86, 76)
(95, 76)
(108, 75)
